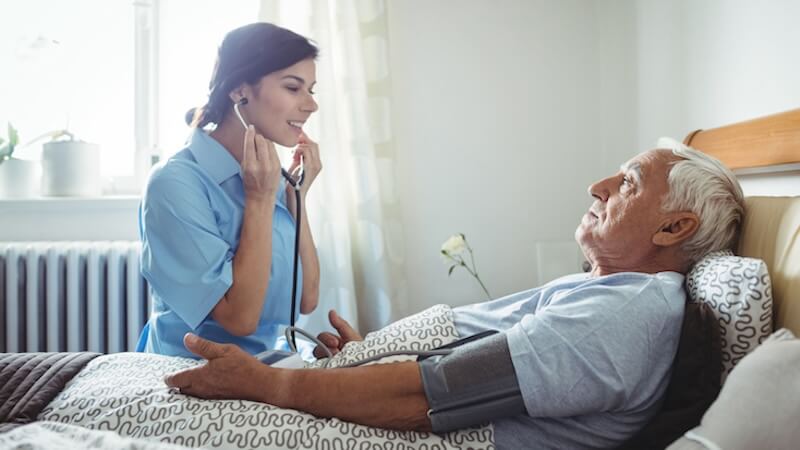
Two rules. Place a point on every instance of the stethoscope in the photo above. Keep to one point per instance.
(296, 185)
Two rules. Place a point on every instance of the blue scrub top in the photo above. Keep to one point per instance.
(190, 220)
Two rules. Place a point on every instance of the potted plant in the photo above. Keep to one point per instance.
(70, 166)
(19, 178)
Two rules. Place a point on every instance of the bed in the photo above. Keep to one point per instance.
(771, 232)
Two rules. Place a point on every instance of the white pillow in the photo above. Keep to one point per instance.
(125, 393)
(739, 291)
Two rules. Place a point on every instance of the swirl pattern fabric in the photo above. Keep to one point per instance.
(426, 330)
(53, 435)
(125, 393)
(739, 291)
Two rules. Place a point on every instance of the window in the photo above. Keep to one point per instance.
(190, 33)
(118, 73)
(70, 64)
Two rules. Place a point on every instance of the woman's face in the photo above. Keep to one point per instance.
(281, 102)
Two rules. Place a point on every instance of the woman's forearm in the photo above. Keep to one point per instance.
(239, 310)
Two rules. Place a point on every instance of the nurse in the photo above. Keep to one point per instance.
(217, 220)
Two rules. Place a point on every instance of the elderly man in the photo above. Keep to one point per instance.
(583, 361)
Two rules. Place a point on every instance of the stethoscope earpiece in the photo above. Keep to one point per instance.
(241, 102)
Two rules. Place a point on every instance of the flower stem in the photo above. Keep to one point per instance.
(474, 273)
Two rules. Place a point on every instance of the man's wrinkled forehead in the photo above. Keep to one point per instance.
(645, 164)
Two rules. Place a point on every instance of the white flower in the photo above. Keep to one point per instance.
(455, 245)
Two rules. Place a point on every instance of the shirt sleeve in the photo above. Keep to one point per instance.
(586, 352)
(184, 257)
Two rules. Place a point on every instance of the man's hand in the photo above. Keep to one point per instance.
(333, 342)
(230, 372)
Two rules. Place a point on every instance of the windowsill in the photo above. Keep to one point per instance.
(106, 218)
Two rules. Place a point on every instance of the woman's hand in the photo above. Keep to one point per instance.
(261, 168)
(308, 150)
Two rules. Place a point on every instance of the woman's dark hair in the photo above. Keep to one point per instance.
(247, 54)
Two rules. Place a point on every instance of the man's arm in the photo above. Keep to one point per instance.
(384, 395)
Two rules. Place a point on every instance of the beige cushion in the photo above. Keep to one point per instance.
(771, 232)
(759, 404)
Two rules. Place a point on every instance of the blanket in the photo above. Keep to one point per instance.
(125, 393)
(45, 435)
(30, 381)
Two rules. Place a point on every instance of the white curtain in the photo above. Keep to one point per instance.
(352, 207)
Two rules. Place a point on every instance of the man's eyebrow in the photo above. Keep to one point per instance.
(634, 168)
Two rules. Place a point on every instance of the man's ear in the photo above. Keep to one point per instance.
(677, 228)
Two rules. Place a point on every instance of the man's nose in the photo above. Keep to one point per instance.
(600, 190)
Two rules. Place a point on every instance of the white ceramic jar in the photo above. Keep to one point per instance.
(71, 169)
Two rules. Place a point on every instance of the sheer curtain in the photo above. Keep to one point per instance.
(353, 208)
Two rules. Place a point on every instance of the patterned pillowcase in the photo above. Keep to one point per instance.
(125, 393)
(739, 291)
(423, 331)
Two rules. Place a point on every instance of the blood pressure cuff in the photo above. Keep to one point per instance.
(474, 384)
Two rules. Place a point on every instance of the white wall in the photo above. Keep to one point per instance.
(504, 112)
(716, 62)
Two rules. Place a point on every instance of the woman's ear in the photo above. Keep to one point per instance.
(677, 228)
(239, 93)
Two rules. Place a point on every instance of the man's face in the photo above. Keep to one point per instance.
(619, 227)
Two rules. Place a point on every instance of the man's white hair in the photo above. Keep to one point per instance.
(701, 184)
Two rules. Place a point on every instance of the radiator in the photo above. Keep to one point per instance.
(71, 296)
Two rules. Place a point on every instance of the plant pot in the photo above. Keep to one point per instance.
(71, 169)
(19, 178)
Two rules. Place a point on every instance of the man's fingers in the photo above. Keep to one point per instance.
(202, 347)
(319, 352)
(330, 340)
(182, 379)
(343, 327)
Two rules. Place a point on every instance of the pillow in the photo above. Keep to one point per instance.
(693, 384)
(426, 330)
(759, 404)
(739, 291)
(125, 393)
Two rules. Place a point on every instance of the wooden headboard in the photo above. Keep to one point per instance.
(766, 141)
(771, 228)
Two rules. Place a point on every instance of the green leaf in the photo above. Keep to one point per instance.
(450, 272)
(13, 136)
(444, 253)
